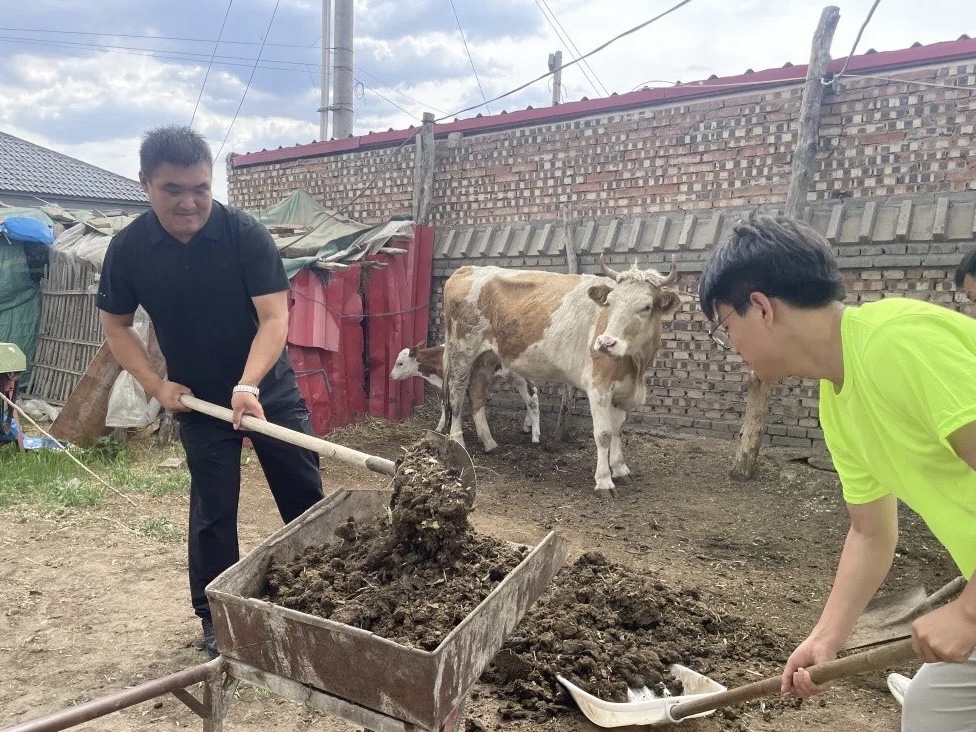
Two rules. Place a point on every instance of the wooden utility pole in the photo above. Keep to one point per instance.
(569, 391)
(423, 170)
(556, 66)
(807, 144)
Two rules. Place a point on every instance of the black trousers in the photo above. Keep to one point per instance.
(213, 456)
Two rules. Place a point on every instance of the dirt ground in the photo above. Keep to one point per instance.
(88, 605)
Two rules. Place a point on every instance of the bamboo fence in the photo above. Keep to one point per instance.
(70, 333)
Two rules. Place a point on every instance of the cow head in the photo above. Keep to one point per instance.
(635, 305)
(406, 363)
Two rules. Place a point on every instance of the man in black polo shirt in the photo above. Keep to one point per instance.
(212, 281)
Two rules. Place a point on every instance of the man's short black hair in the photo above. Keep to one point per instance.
(174, 144)
(778, 256)
(966, 267)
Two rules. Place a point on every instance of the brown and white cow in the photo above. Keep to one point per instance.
(598, 333)
(428, 363)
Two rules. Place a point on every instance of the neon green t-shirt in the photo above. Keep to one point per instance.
(909, 382)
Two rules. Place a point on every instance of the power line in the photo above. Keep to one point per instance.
(857, 40)
(574, 61)
(470, 60)
(564, 37)
(250, 79)
(157, 53)
(206, 76)
(193, 57)
(384, 166)
(401, 93)
(102, 34)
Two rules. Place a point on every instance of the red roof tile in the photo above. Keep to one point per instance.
(872, 61)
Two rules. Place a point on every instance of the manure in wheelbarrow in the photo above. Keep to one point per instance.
(410, 576)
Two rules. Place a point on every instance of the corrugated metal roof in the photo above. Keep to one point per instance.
(871, 61)
(921, 218)
(29, 168)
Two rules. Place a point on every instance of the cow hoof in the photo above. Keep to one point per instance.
(621, 471)
(535, 439)
(605, 486)
(491, 447)
(526, 428)
(605, 492)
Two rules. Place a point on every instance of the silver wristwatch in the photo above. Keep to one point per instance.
(248, 389)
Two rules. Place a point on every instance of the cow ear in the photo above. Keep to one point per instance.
(670, 301)
(598, 294)
(420, 345)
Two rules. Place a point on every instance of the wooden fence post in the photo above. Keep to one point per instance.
(423, 172)
(569, 391)
(807, 144)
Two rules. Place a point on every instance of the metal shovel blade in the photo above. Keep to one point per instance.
(644, 707)
(890, 617)
(453, 455)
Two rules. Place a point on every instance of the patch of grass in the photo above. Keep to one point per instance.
(51, 480)
(105, 450)
(148, 480)
(160, 529)
(45, 478)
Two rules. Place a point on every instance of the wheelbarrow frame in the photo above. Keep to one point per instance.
(420, 687)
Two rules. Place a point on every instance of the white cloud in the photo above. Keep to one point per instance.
(95, 105)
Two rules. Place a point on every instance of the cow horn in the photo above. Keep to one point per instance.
(609, 272)
(672, 275)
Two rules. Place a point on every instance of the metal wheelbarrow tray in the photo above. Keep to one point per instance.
(419, 687)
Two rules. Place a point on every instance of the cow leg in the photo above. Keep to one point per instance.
(530, 395)
(443, 420)
(603, 436)
(618, 467)
(478, 394)
(457, 376)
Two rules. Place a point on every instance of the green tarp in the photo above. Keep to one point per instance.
(326, 233)
(20, 296)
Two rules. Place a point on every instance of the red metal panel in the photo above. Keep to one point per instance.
(338, 403)
(310, 322)
(376, 335)
(310, 373)
(352, 353)
(326, 346)
(399, 406)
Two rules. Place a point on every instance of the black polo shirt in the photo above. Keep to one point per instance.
(199, 296)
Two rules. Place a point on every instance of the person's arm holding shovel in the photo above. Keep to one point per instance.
(864, 563)
(949, 632)
(269, 341)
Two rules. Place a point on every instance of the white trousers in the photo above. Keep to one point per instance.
(941, 698)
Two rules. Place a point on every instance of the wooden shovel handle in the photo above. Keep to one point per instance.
(293, 437)
(859, 663)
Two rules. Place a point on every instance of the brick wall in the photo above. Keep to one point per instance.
(657, 176)
(878, 138)
(905, 246)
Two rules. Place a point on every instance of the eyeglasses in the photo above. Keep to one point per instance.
(719, 334)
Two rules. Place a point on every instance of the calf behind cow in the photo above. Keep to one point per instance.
(428, 363)
(596, 333)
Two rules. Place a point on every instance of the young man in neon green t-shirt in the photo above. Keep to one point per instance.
(898, 411)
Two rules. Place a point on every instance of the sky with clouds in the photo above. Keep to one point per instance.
(87, 78)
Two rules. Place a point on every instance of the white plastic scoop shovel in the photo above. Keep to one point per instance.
(706, 695)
